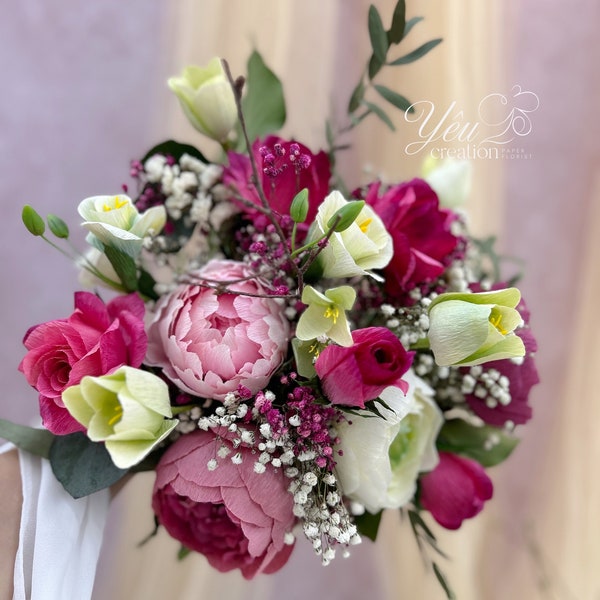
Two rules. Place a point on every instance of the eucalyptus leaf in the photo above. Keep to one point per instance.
(174, 149)
(32, 440)
(468, 440)
(380, 113)
(377, 34)
(82, 466)
(124, 267)
(263, 104)
(374, 66)
(32, 220)
(368, 524)
(398, 28)
(416, 54)
(357, 95)
(443, 582)
(394, 98)
(410, 24)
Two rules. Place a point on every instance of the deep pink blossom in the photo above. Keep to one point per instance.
(95, 340)
(420, 229)
(356, 374)
(237, 518)
(455, 490)
(209, 343)
(282, 179)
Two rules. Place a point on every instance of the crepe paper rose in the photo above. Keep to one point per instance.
(358, 373)
(207, 99)
(420, 230)
(455, 490)
(382, 457)
(208, 343)
(237, 518)
(363, 246)
(450, 179)
(285, 168)
(94, 340)
(326, 314)
(473, 328)
(126, 410)
(114, 221)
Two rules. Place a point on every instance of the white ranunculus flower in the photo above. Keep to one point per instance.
(115, 221)
(363, 246)
(382, 458)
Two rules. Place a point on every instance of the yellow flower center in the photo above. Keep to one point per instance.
(496, 321)
(118, 409)
(117, 204)
(332, 312)
(314, 349)
(365, 225)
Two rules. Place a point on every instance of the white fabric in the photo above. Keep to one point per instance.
(59, 539)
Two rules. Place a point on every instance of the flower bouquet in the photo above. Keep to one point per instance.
(290, 357)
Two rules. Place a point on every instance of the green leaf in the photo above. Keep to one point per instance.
(443, 582)
(377, 34)
(347, 214)
(263, 104)
(146, 285)
(417, 523)
(416, 54)
(374, 66)
(299, 206)
(82, 466)
(462, 438)
(410, 24)
(394, 98)
(57, 226)
(329, 136)
(380, 113)
(174, 149)
(357, 96)
(183, 552)
(34, 441)
(397, 31)
(124, 267)
(34, 223)
(368, 524)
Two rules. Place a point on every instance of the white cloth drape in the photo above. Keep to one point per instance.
(59, 539)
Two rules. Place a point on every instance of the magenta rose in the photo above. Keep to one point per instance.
(455, 490)
(285, 168)
(209, 343)
(95, 340)
(356, 374)
(420, 230)
(237, 518)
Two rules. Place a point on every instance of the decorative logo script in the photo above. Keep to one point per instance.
(501, 121)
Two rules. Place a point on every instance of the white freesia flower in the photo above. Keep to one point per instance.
(363, 246)
(207, 99)
(450, 179)
(115, 221)
(382, 457)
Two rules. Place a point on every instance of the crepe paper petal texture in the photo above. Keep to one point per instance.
(126, 410)
(473, 328)
(207, 99)
(233, 516)
(326, 314)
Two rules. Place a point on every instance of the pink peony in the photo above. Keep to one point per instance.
(237, 518)
(281, 178)
(423, 243)
(210, 343)
(356, 374)
(455, 490)
(95, 340)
